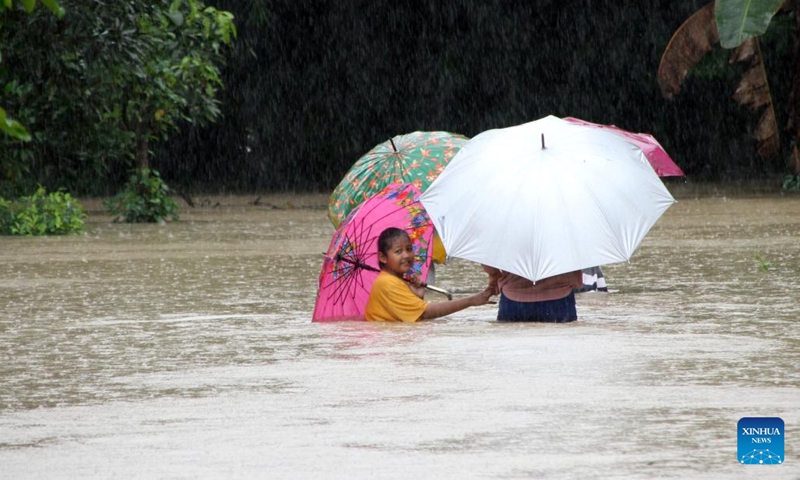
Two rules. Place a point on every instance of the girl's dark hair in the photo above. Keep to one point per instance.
(388, 237)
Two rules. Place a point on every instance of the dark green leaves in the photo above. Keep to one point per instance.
(29, 5)
(175, 14)
(13, 127)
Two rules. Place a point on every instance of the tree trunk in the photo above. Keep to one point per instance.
(142, 154)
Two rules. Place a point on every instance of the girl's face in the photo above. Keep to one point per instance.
(399, 258)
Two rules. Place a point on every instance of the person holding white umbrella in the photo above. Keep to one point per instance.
(541, 201)
(549, 300)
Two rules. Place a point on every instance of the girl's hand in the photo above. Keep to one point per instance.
(493, 286)
(483, 297)
(494, 276)
(415, 284)
(414, 280)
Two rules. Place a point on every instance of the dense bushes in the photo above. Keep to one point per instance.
(42, 213)
(145, 198)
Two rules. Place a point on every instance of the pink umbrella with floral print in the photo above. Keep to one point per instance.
(351, 262)
(661, 162)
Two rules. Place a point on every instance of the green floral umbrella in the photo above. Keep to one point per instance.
(416, 158)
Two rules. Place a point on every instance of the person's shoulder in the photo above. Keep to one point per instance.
(385, 279)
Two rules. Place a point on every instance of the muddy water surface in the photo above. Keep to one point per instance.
(186, 350)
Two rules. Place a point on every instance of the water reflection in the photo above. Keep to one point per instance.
(186, 350)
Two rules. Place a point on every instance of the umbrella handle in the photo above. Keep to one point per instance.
(438, 290)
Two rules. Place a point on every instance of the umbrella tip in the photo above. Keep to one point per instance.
(543, 147)
(391, 140)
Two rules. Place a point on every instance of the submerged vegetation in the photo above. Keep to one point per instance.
(145, 198)
(763, 265)
(54, 213)
(791, 183)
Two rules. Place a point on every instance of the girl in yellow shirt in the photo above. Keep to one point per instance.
(393, 300)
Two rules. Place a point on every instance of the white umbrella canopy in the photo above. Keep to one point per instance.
(546, 197)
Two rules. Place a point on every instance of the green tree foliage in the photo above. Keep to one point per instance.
(7, 124)
(311, 85)
(13, 127)
(30, 5)
(96, 87)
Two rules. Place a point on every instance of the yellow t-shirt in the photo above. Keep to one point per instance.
(390, 300)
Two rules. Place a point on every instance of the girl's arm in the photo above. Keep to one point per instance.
(440, 309)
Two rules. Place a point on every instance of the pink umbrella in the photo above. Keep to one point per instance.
(661, 162)
(351, 262)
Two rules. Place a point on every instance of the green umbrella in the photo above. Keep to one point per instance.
(416, 158)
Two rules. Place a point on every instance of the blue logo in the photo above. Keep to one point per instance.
(761, 441)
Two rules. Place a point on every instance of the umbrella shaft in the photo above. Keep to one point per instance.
(356, 263)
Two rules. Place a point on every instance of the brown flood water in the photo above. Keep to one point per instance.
(186, 350)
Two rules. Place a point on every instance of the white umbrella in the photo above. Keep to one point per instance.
(546, 197)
